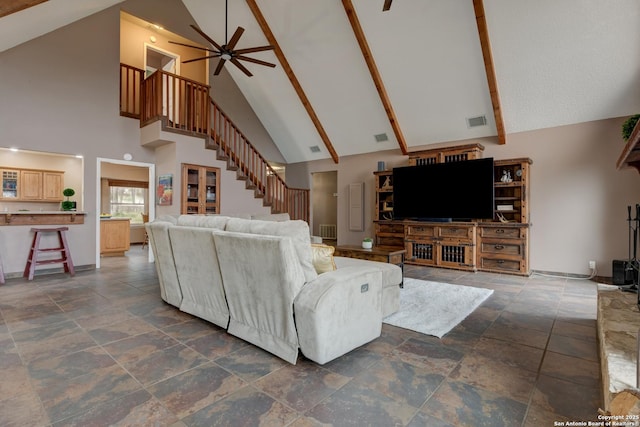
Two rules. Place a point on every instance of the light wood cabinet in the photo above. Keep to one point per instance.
(52, 186)
(200, 189)
(10, 184)
(31, 185)
(114, 236)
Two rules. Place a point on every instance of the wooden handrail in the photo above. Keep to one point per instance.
(130, 84)
(185, 105)
(254, 167)
(182, 104)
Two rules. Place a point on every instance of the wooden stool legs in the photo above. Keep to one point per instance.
(65, 253)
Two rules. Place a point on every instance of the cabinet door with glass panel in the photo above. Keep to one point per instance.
(200, 189)
(10, 184)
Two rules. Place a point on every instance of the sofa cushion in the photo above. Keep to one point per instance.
(160, 243)
(272, 217)
(209, 221)
(199, 274)
(261, 279)
(322, 256)
(297, 230)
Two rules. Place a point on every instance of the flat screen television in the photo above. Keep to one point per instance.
(453, 191)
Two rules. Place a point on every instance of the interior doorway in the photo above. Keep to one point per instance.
(156, 58)
(324, 205)
(151, 176)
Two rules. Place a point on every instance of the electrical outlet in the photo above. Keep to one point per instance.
(592, 265)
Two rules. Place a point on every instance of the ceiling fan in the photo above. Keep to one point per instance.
(227, 51)
(387, 5)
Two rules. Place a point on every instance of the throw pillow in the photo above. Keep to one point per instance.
(322, 257)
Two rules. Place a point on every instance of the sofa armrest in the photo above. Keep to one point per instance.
(338, 311)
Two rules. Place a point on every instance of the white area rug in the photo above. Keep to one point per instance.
(434, 308)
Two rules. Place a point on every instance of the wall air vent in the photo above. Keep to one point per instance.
(473, 122)
(381, 137)
(314, 149)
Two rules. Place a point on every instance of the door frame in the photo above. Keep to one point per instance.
(151, 167)
(175, 56)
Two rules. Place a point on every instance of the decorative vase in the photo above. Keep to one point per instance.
(367, 245)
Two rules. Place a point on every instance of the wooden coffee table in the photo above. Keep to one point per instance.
(388, 254)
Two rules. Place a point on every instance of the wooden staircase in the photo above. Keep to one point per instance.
(186, 107)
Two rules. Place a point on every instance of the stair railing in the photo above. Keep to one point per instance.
(250, 164)
(185, 106)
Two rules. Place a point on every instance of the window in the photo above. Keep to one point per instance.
(128, 199)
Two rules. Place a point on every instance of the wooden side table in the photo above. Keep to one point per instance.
(388, 254)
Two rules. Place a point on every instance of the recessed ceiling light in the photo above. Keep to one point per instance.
(13, 149)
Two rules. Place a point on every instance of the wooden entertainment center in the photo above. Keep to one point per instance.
(500, 245)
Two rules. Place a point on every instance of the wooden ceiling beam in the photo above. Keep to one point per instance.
(481, 22)
(12, 6)
(375, 75)
(292, 77)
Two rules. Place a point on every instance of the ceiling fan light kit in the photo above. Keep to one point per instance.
(227, 51)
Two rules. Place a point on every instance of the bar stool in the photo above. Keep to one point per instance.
(65, 253)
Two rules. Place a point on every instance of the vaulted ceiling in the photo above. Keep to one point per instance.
(555, 63)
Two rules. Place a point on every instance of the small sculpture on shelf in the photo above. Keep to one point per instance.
(506, 176)
(387, 182)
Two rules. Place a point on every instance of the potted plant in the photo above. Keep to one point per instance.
(68, 205)
(367, 243)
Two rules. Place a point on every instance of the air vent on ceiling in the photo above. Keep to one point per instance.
(476, 121)
(381, 137)
(314, 149)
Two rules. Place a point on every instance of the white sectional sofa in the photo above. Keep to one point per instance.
(256, 278)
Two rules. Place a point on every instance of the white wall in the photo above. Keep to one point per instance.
(578, 199)
(60, 93)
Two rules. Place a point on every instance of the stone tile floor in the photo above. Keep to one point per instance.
(102, 348)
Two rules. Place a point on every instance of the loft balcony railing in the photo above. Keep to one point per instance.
(130, 84)
(184, 105)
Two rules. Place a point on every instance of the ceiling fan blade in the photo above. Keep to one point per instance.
(255, 61)
(209, 39)
(217, 55)
(219, 67)
(387, 5)
(237, 63)
(234, 38)
(253, 49)
(194, 47)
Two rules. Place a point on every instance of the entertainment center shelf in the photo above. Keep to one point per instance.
(498, 245)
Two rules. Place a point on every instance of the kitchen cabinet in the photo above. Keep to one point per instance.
(114, 236)
(31, 185)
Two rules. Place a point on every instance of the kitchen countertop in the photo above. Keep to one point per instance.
(41, 217)
(42, 212)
